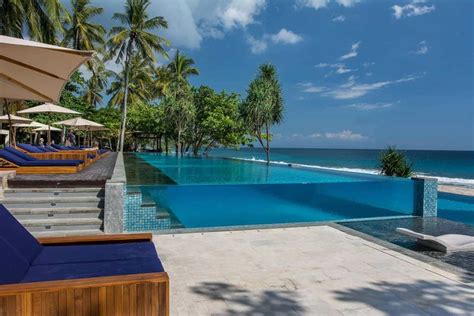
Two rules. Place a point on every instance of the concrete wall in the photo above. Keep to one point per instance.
(114, 198)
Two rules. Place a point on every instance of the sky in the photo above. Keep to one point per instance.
(354, 73)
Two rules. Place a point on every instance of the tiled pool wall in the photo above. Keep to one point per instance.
(149, 208)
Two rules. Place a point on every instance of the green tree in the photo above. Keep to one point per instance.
(179, 111)
(181, 66)
(97, 83)
(216, 121)
(135, 36)
(82, 34)
(263, 106)
(139, 83)
(41, 19)
(394, 163)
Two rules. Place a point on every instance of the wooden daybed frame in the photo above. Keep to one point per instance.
(61, 155)
(7, 165)
(133, 294)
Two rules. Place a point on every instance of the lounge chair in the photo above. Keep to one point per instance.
(10, 161)
(444, 243)
(45, 153)
(87, 275)
(76, 149)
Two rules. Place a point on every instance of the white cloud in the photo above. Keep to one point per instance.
(414, 8)
(257, 46)
(352, 90)
(339, 18)
(370, 106)
(340, 68)
(353, 52)
(318, 4)
(190, 21)
(422, 48)
(309, 87)
(346, 135)
(367, 64)
(286, 37)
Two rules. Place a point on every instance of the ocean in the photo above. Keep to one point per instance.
(449, 167)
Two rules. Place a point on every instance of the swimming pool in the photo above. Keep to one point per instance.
(165, 192)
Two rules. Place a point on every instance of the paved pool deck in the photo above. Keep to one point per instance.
(316, 270)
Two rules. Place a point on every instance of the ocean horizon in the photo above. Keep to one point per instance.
(450, 167)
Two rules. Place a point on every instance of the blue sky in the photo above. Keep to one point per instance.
(355, 74)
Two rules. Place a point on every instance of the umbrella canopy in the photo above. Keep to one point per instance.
(48, 108)
(47, 128)
(80, 123)
(36, 71)
(33, 124)
(12, 119)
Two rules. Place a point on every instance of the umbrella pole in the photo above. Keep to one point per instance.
(9, 123)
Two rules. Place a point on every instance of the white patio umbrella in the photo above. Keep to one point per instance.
(32, 124)
(48, 108)
(82, 124)
(48, 128)
(13, 119)
(36, 71)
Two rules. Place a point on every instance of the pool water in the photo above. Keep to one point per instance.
(212, 192)
(456, 207)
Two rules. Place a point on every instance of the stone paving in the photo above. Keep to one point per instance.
(316, 270)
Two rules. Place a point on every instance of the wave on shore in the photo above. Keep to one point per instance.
(467, 183)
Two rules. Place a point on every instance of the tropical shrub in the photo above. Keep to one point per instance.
(394, 163)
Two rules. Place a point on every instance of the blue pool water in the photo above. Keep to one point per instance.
(459, 208)
(212, 192)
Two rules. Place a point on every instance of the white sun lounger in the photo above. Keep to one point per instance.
(445, 243)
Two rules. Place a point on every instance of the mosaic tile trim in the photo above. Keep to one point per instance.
(426, 197)
(139, 217)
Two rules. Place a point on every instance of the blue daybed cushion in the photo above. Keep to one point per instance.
(17, 236)
(50, 148)
(91, 269)
(13, 265)
(30, 148)
(42, 149)
(59, 147)
(20, 154)
(36, 163)
(95, 253)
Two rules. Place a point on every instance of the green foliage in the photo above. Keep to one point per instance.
(178, 111)
(217, 120)
(81, 33)
(394, 163)
(263, 106)
(181, 67)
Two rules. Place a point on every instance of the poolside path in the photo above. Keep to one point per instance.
(316, 270)
(94, 175)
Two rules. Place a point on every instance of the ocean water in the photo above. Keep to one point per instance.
(449, 167)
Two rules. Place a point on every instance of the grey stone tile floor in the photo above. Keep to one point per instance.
(316, 270)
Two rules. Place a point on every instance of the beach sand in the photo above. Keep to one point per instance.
(455, 190)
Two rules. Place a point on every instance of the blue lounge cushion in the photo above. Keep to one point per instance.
(13, 265)
(42, 149)
(30, 148)
(95, 253)
(50, 148)
(91, 269)
(17, 236)
(20, 154)
(36, 163)
(59, 147)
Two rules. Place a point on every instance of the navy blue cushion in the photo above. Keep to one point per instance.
(50, 163)
(11, 157)
(17, 236)
(42, 149)
(13, 266)
(91, 269)
(30, 148)
(20, 154)
(95, 253)
(50, 148)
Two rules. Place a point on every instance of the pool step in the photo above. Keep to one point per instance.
(54, 192)
(63, 233)
(61, 224)
(53, 202)
(64, 212)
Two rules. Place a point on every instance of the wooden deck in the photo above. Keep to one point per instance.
(94, 175)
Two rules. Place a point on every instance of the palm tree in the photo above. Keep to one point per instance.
(135, 35)
(82, 34)
(140, 81)
(97, 82)
(42, 19)
(263, 106)
(182, 67)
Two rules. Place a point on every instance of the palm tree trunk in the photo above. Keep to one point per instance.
(10, 129)
(267, 148)
(124, 115)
